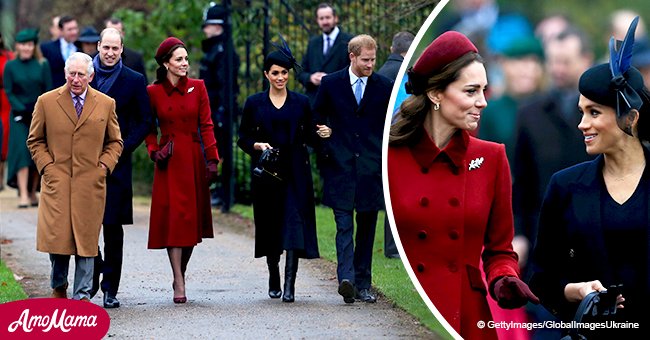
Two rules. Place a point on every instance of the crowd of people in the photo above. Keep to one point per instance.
(538, 178)
(91, 78)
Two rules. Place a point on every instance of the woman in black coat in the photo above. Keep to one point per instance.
(594, 224)
(283, 195)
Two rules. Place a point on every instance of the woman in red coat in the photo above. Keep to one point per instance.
(5, 108)
(450, 192)
(181, 215)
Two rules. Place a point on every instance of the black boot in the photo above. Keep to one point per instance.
(290, 276)
(274, 276)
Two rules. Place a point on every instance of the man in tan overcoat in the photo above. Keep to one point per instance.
(75, 142)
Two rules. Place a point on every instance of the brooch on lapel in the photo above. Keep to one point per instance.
(190, 89)
(475, 163)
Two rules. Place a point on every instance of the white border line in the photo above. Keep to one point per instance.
(384, 166)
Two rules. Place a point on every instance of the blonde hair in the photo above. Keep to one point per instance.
(361, 41)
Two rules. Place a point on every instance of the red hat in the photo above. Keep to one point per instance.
(166, 46)
(446, 48)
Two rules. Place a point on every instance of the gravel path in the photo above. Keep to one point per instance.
(226, 289)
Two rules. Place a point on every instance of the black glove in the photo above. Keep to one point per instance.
(212, 171)
(511, 293)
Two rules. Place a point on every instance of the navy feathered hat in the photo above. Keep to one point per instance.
(615, 84)
(282, 56)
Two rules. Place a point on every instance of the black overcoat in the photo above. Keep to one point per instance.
(548, 141)
(134, 117)
(336, 59)
(571, 245)
(51, 51)
(350, 159)
(283, 210)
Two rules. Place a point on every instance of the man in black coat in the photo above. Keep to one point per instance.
(131, 58)
(57, 51)
(548, 139)
(129, 90)
(218, 65)
(400, 45)
(326, 53)
(350, 111)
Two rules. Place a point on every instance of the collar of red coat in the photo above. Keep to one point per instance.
(181, 86)
(426, 152)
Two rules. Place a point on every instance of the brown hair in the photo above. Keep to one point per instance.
(161, 71)
(406, 126)
(361, 41)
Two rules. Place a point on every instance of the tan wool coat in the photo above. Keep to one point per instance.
(68, 152)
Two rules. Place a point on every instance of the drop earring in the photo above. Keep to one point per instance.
(436, 106)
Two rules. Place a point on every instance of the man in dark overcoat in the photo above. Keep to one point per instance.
(129, 90)
(131, 58)
(326, 52)
(398, 48)
(350, 110)
(547, 138)
(57, 51)
(218, 69)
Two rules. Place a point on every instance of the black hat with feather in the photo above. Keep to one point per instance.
(616, 84)
(282, 57)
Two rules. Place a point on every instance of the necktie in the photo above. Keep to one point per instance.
(77, 105)
(358, 90)
(67, 51)
(328, 45)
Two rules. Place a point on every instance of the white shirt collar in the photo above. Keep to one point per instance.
(353, 78)
(332, 35)
(65, 44)
(83, 95)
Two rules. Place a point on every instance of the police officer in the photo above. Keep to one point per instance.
(216, 70)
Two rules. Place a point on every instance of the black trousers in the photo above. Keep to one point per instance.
(354, 252)
(390, 248)
(111, 265)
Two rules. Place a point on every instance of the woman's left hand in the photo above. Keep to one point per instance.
(575, 292)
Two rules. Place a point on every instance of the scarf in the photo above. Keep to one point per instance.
(105, 75)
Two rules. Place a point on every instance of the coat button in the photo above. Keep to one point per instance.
(420, 267)
(424, 201)
(422, 235)
(452, 267)
(424, 170)
(454, 234)
(454, 202)
(455, 171)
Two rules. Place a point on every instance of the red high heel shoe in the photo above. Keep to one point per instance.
(181, 299)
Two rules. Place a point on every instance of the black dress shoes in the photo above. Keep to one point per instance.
(346, 290)
(110, 301)
(365, 296)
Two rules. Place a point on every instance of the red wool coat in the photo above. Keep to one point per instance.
(180, 202)
(448, 206)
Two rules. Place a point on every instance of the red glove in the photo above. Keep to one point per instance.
(161, 156)
(212, 171)
(511, 293)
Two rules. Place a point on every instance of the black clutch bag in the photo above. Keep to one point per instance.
(269, 165)
(601, 305)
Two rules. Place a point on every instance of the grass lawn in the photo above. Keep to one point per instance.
(388, 275)
(10, 290)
